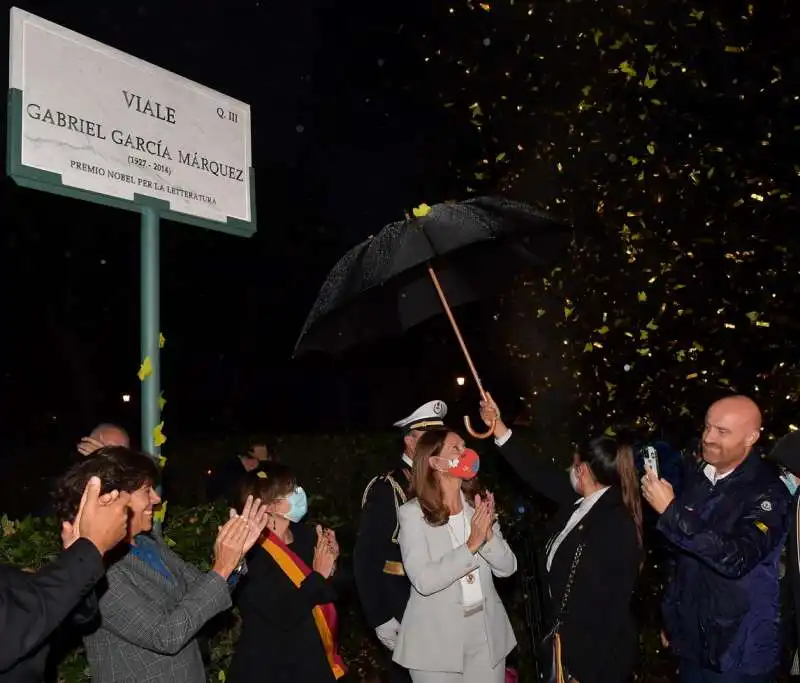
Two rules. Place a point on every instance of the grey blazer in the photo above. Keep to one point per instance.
(432, 631)
(148, 622)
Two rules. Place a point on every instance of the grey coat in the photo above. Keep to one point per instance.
(148, 623)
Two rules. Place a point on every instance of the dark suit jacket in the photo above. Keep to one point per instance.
(280, 642)
(598, 633)
(33, 605)
(793, 569)
(382, 584)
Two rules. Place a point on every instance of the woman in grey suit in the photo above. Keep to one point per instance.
(153, 603)
(455, 628)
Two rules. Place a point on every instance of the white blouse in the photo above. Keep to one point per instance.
(459, 528)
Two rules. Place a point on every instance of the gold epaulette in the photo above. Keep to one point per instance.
(399, 493)
(393, 568)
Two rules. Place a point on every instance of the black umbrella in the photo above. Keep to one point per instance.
(383, 286)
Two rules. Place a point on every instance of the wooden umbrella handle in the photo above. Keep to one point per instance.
(465, 351)
(479, 435)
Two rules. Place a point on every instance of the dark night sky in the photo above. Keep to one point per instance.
(371, 146)
(667, 133)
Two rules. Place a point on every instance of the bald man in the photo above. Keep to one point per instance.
(727, 529)
(105, 434)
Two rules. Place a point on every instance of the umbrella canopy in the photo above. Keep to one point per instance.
(382, 286)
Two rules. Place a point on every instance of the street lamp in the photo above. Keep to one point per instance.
(461, 381)
(126, 398)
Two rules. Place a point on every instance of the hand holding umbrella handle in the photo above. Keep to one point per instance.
(465, 351)
(478, 435)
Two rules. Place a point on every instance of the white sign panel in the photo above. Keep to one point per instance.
(112, 124)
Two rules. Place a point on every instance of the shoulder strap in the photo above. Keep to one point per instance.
(562, 610)
(389, 479)
(397, 493)
(367, 490)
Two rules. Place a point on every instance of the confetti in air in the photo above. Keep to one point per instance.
(669, 135)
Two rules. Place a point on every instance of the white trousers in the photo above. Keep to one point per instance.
(477, 668)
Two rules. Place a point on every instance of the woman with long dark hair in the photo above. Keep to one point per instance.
(455, 629)
(594, 553)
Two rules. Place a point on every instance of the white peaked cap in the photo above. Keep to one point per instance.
(431, 414)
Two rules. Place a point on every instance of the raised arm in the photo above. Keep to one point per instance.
(137, 619)
(33, 605)
(760, 528)
(542, 476)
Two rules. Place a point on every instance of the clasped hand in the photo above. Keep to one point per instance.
(326, 552)
(238, 535)
(482, 522)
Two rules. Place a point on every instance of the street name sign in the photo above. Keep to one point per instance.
(88, 121)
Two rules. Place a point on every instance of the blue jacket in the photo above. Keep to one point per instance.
(722, 605)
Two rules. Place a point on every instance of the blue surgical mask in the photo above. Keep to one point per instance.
(790, 482)
(298, 505)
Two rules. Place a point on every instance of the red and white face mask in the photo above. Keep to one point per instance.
(463, 466)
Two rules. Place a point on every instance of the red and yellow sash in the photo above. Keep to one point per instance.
(324, 615)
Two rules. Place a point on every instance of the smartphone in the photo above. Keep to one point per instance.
(651, 460)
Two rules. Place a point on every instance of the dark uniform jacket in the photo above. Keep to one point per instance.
(721, 609)
(33, 605)
(382, 584)
(280, 642)
(598, 633)
(793, 573)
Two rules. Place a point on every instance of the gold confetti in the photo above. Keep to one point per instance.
(158, 436)
(160, 512)
(421, 210)
(145, 369)
(693, 224)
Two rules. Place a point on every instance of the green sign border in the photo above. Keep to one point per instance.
(47, 181)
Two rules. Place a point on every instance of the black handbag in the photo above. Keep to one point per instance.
(551, 644)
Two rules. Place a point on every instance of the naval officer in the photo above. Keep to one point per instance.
(380, 578)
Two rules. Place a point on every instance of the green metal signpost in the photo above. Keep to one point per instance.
(89, 122)
(149, 301)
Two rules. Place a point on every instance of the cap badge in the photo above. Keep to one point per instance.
(438, 408)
